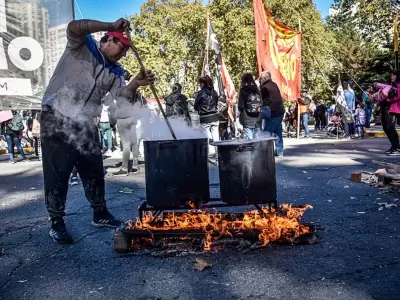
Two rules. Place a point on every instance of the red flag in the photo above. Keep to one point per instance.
(230, 91)
(278, 51)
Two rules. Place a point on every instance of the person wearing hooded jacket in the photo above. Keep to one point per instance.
(176, 104)
(206, 104)
(390, 111)
(249, 106)
(86, 72)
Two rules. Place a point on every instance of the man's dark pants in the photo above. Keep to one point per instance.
(66, 144)
(389, 126)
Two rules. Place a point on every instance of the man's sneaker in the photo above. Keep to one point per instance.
(389, 151)
(12, 161)
(121, 172)
(74, 181)
(103, 218)
(58, 231)
(394, 153)
(135, 170)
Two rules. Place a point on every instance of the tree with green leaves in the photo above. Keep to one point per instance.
(364, 35)
(171, 37)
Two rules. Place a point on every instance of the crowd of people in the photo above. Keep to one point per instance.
(259, 110)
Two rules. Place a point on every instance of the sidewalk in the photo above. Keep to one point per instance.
(376, 131)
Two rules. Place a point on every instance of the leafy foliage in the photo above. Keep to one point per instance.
(364, 32)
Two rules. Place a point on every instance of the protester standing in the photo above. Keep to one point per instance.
(321, 110)
(304, 101)
(272, 110)
(249, 106)
(86, 72)
(127, 120)
(360, 116)
(206, 104)
(367, 100)
(36, 135)
(11, 130)
(177, 104)
(390, 110)
(105, 129)
(350, 99)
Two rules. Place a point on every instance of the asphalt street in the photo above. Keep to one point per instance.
(357, 257)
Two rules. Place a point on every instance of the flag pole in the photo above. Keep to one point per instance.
(396, 42)
(298, 104)
(207, 47)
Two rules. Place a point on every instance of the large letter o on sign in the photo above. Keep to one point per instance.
(33, 46)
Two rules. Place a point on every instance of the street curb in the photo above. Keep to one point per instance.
(378, 134)
(26, 150)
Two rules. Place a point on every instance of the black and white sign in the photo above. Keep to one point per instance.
(32, 40)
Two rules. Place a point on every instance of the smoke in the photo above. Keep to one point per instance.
(154, 127)
(75, 123)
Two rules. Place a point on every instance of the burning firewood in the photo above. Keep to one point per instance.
(199, 230)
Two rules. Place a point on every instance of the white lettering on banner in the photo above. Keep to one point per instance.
(18, 86)
(15, 87)
(3, 58)
(3, 20)
(33, 46)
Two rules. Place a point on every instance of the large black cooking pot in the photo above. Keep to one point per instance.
(176, 172)
(247, 171)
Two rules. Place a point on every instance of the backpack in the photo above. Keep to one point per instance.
(253, 104)
(16, 124)
(312, 107)
(392, 93)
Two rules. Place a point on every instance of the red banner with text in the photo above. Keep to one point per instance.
(278, 51)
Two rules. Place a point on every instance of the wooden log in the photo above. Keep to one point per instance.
(121, 242)
(388, 178)
(356, 176)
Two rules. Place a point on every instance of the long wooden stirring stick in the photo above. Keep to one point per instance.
(152, 87)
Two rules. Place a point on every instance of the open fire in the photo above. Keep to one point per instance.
(209, 231)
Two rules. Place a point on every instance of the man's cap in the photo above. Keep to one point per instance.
(121, 36)
(303, 90)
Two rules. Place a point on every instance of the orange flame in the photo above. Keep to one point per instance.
(283, 225)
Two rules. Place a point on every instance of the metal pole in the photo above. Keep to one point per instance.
(396, 42)
(152, 87)
(298, 104)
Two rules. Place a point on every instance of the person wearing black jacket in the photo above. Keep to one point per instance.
(206, 104)
(272, 110)
(249, 106)
(322, 115)
(176, 104)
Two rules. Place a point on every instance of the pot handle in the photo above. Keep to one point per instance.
(245, 148)
(167, 145)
